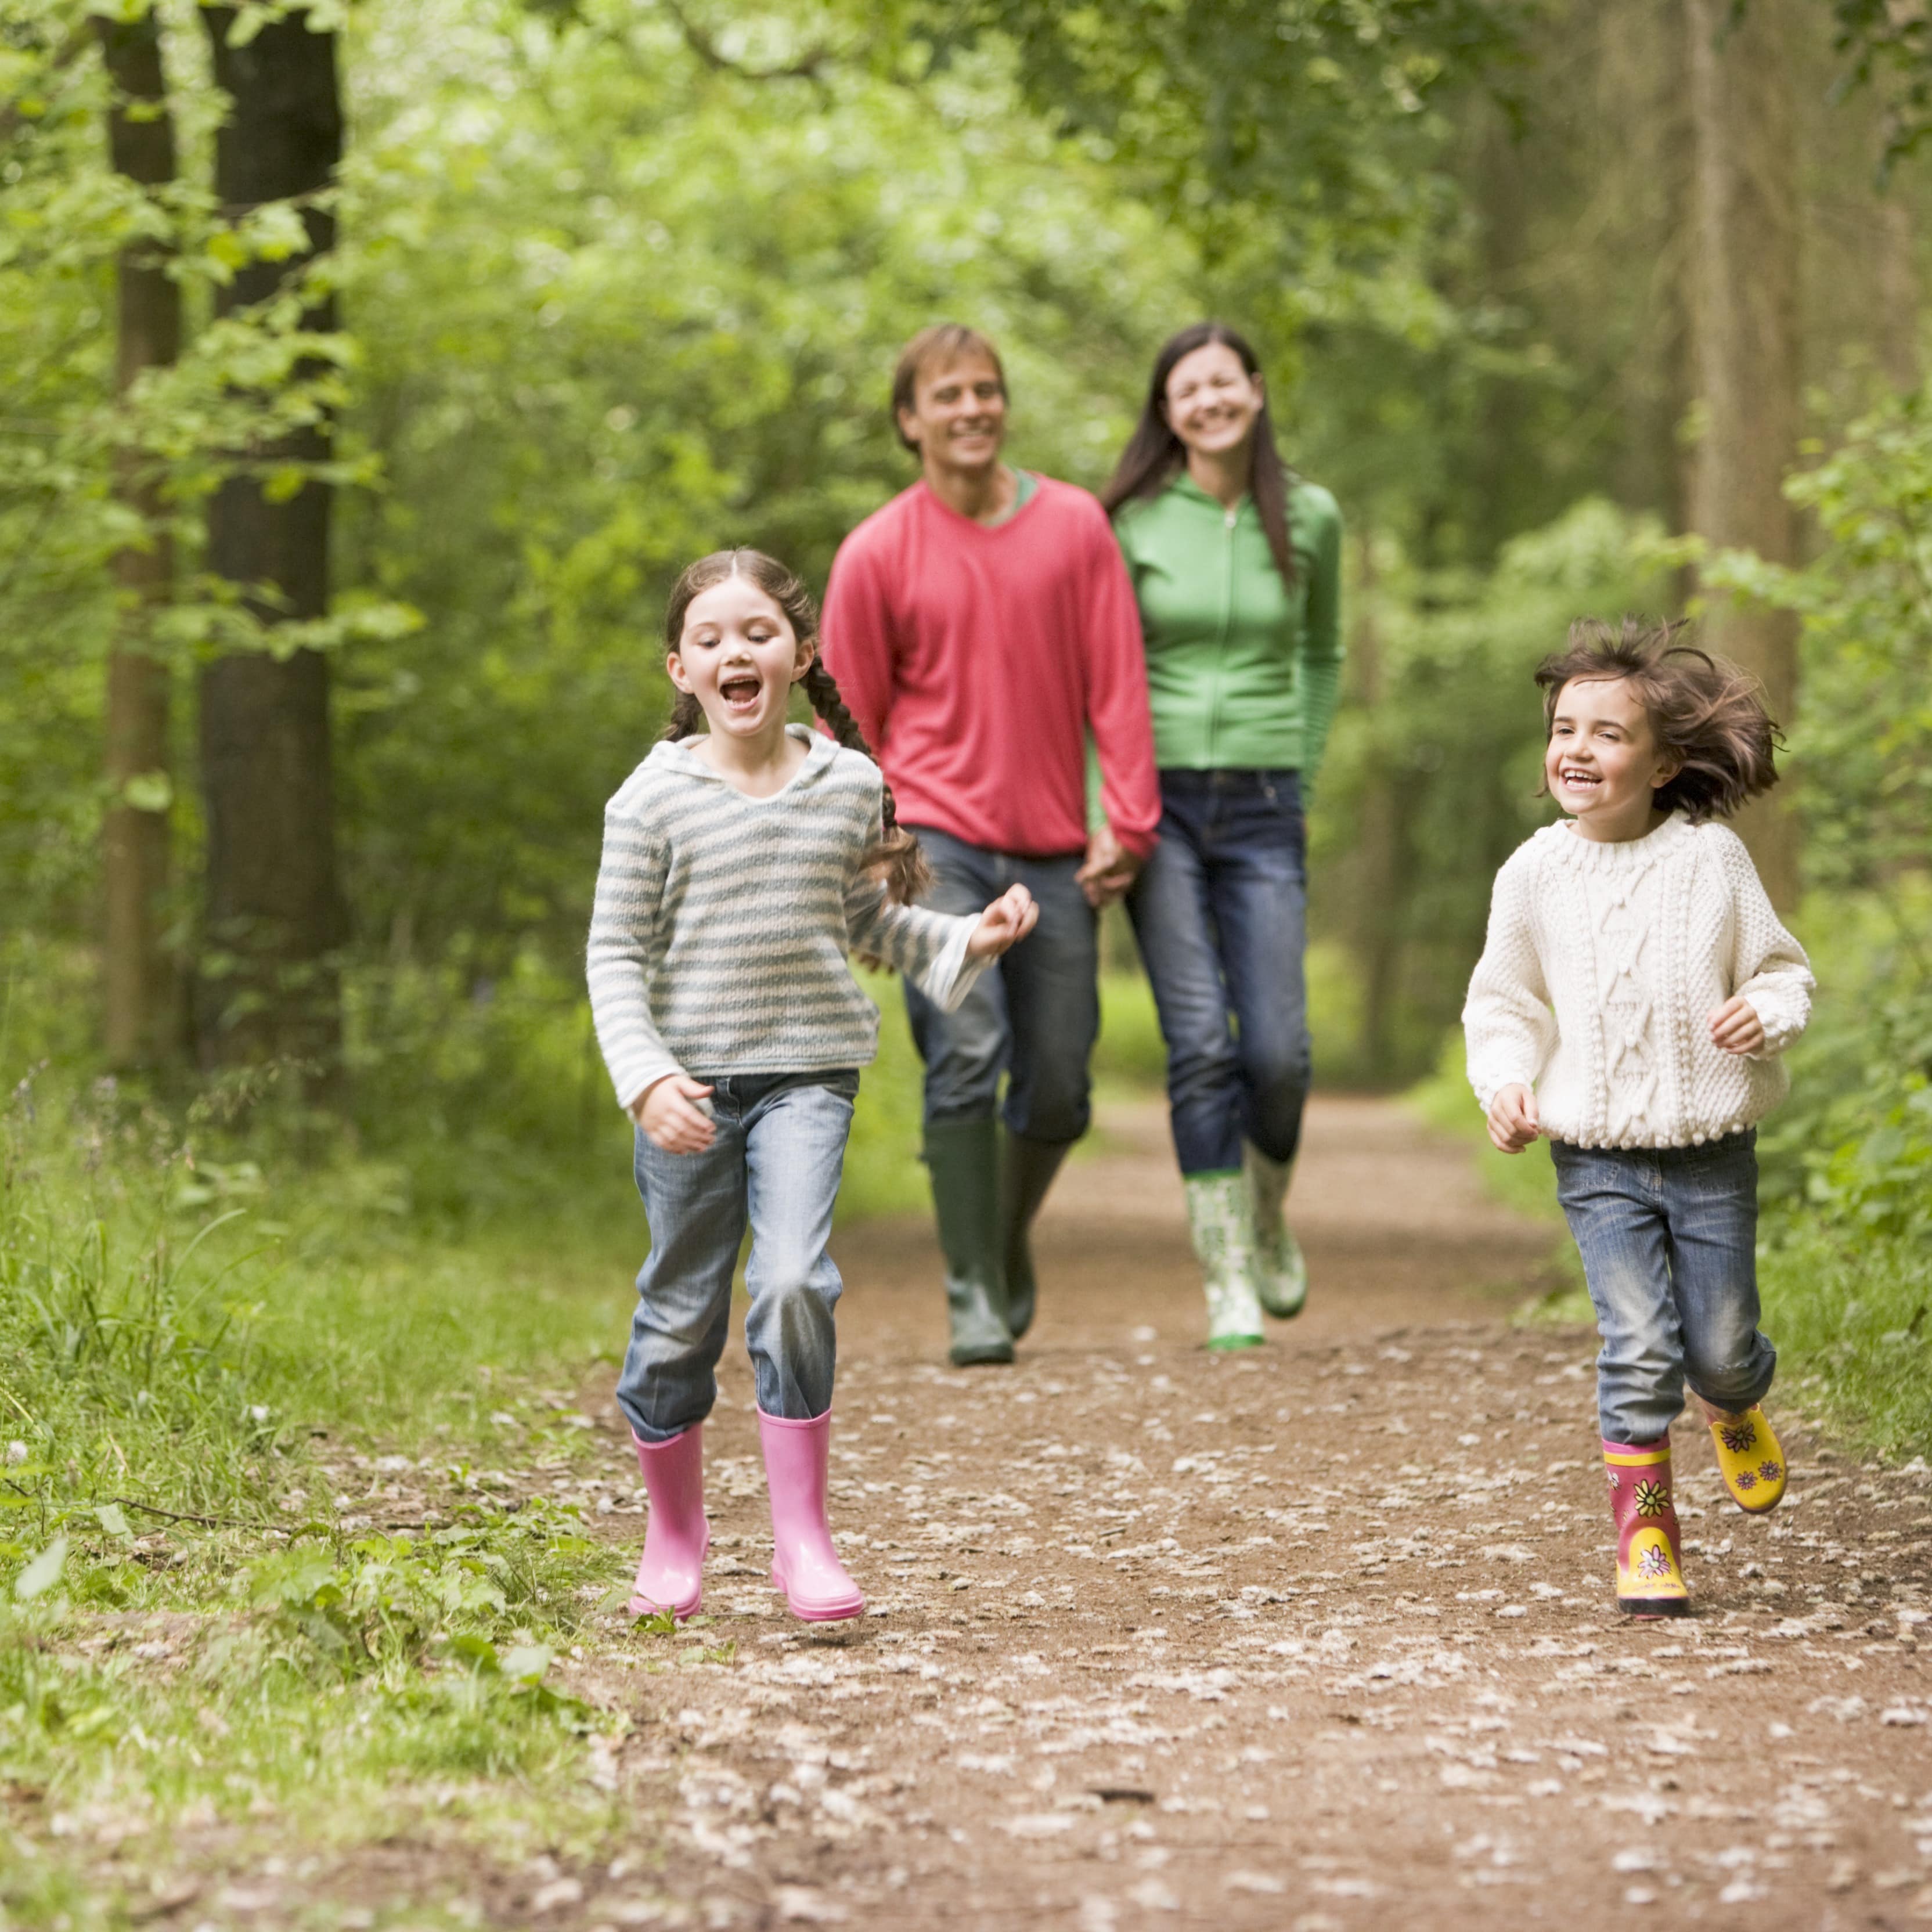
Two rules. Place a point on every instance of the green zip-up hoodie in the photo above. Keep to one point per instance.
(1243, 671)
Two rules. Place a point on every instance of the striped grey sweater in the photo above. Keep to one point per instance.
(719, 934)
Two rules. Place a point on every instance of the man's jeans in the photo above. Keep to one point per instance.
(1033, 1015)
(776, 1160)
(1669, 1238)
(1220, 911)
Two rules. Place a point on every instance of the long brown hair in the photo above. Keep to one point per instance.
(1707, 713)
(1154, 454)
(896, 860)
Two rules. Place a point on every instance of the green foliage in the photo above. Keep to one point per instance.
(1864, 737)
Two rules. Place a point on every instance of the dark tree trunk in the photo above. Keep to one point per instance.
(1380, 865)
(141, 1013)
(1747, 323)
(274, 910)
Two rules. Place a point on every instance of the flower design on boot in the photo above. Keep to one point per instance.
(1652, 1499)
(1749, 1459)
(1654, 1563)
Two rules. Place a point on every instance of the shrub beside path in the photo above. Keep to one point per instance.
(1319, 1636)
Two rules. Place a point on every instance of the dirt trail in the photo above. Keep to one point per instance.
(1318, 1636)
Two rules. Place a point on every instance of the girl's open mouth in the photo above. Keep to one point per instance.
(740, 693)
(1579, 780)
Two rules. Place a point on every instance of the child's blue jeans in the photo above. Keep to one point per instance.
(776, 1163)
(1669, 1238)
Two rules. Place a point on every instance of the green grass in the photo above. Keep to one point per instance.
(201, 1361)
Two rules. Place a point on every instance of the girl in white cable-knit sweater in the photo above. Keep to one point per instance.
(1630, 1004)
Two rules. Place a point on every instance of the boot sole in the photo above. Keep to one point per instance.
(988, 1356)
(643, 1607)
(1226, 1344)
(1645, 1610)
(839, 1609)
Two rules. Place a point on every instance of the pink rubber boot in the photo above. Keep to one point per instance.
(1650, 1572)
(804, 1566)
(670, 1575)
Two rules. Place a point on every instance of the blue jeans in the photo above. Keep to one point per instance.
(1669, 1238)
(1220, 911)
(1034, 1016)
(776, 1161)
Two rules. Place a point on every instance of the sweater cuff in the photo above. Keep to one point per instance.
(952, 976)
(636, 1078)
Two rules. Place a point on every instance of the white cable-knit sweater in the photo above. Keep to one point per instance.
(1602, 966)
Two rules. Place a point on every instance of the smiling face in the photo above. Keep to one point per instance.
(1602, 762)
(739, 657)
(1212, 401)
(958, 419)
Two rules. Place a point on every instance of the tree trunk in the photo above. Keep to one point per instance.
(1379, 869)
(1898, 291)
(1747, 321)
(274, 910)
(141, 1016)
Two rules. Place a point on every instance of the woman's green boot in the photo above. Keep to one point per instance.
(1281, 1275)
(1221, 1224)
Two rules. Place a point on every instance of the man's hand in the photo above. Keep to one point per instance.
(1735, 1027)
(668, 1113)
(1109, 868)
(1003, 924)
(1512, 1121)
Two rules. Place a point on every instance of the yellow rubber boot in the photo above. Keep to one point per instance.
(1749, 1457)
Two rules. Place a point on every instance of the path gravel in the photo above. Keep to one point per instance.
(1317, 1637)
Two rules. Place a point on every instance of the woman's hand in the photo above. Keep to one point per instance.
(1512, 1121)
(1003, 924)
(1735, 1027)
(670, 1117)
(1108, 869)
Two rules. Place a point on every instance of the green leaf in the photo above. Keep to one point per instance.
(43, 1572)
(111, 1520)
(149, 791)
(527, 1663)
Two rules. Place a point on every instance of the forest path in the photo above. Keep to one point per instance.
(1318, 1636)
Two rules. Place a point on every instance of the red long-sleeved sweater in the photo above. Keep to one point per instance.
(976, 660)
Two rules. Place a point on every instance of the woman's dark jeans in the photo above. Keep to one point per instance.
(1220, 911)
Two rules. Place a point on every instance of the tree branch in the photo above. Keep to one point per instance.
(807, 66)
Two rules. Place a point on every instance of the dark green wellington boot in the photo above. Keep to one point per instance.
(1027, 1168)
(963, 1156)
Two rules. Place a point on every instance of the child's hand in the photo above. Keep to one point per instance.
(668, 1113)
(1512, 1121)
(1735, 1027)
(1003, 924)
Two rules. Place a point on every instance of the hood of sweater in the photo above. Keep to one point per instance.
(680, 758)
(1622, 855)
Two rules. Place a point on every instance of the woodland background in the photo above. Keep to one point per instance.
(370, 370)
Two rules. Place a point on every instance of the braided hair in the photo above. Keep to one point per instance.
(895, 860)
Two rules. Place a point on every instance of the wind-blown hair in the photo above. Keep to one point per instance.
(1154, 454)
(896, 860)
(1704, 711)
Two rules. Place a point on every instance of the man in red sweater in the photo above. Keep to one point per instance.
(982, 628)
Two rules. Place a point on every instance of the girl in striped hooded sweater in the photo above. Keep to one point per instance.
(740, 867)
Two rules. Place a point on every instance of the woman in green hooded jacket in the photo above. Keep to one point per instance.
(1236, 565)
